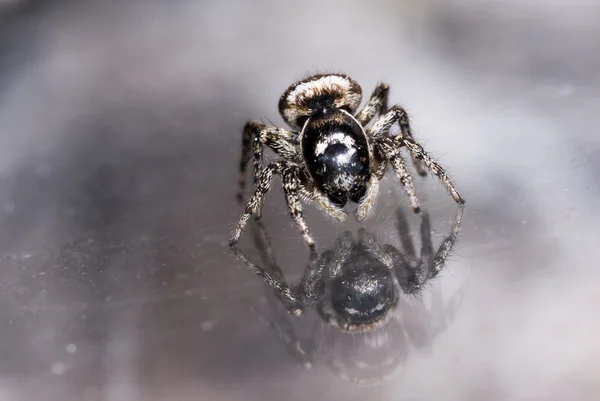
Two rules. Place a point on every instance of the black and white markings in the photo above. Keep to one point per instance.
(336, 154)
(331, 158)
(301, 99)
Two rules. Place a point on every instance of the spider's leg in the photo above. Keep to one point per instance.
(381, 168)
(368, 200)
(263, 186)
(292, 185)
(254, 137)
(404, 123)
(397, 114)
(392, 153)
(376, 104)
(418, 152)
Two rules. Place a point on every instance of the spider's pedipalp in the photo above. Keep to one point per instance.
(368, 200)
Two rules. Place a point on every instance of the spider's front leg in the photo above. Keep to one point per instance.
(291, 188)
(255, 136)
(376, 104)
(380, 131)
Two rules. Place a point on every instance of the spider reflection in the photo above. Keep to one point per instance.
(359, 287)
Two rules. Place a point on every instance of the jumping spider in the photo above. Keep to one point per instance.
(356, 288)
(331, 157)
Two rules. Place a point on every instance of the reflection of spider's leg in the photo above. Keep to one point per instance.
(254, 136)
(368, 241)
(426, 244)
(341, 253)
(439, 259)
(444, 315)
(405, 271)
(263, 245)
(397, 114)
(286, 334)
(309, 286)
(376, 104)
(387, 147)
(404, 233)
(431, 265)
(294, 302)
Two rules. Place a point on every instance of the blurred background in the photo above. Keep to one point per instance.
(120, 132)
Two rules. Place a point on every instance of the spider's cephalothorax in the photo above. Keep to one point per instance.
(322, 91)
(331, 157)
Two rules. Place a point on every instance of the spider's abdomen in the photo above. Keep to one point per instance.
(336, 152)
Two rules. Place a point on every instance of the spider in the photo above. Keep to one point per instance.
(355, 288)
(330, 157)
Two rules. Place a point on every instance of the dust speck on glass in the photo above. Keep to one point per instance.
(330, 156)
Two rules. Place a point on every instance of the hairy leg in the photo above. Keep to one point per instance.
(376, 104)
(402, 174)
(291, 187)
(255, 136)
(381, 129)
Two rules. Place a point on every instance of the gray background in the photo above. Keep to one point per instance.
(119, 142)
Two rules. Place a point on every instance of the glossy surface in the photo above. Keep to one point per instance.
(120, 132)
(337, 154)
